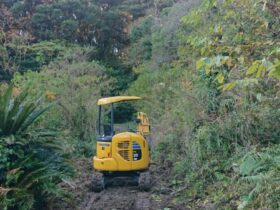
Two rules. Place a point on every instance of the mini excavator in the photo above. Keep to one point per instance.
(121, 153)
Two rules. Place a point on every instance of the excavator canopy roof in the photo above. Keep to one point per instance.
(109, 100)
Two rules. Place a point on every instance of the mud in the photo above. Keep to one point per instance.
(117, 197)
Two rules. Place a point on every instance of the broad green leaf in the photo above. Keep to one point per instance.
(229, 86)
(220, 78)
(275, 71)
(253, 68)
(261, 71)
(275, 51)
(200, 64)
(208, 69)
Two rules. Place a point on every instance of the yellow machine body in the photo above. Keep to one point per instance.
(126, 151)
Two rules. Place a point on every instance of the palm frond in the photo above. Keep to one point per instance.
(18, 113)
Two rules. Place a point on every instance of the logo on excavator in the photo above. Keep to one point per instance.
(104, 145)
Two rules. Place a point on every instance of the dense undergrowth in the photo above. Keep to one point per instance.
(215, 102)
(32, 160)
(208, 72)
(54, 50)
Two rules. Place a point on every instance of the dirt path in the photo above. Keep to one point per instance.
(116, 197)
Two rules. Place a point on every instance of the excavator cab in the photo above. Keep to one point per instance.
(121, 151)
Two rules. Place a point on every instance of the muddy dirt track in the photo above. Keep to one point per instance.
(117, 197)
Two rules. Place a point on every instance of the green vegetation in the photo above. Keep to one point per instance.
(215, 101)
(28, 178)
(75, 83)
(209, 72)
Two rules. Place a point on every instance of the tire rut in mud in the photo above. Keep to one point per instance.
(124, 197)
(119, 199)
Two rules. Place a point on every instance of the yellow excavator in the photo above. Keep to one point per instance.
(120, 152)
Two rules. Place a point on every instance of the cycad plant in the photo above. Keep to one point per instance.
(18, 113)
(32, 162)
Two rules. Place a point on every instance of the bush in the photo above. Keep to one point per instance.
(76, 84)
(32, 160)
(214, 98)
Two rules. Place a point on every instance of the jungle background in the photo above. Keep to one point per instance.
(208, 71)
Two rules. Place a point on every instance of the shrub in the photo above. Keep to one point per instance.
(32, 160)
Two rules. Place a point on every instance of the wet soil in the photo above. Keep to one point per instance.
(118, 197)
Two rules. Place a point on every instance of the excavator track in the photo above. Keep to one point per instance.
(98, 183)
(144, 181)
